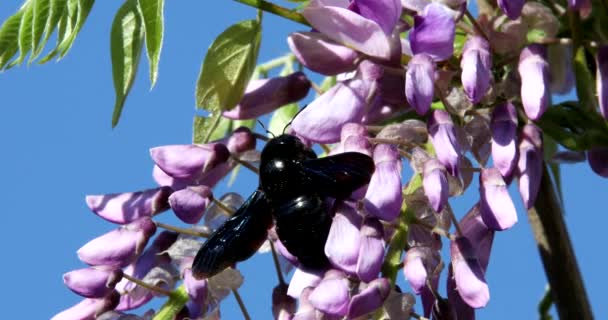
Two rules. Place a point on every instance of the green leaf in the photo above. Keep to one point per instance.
(585, 85)
(281, 118)
(41, 14)
(25, 34)
(126, 40)
(56, 11)
(205, 129)
(84, 7)
(152, 13)
(248, 123)
(64, 28)
(9, 35)
(228, 66)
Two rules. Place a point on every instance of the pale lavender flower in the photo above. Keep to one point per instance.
(344, 241)
(435, 184)
(433, 32)
(384, 197)
(511, 8)
(322, 120)
(419, 83)
(598, 161)
(371, 250)
(530, 163)
(126, 207)
(534, 73)
(306, 311)
(476, 67)
(418, 265)
(320, 54)
(301, 280)
(496, 207)
(468, 274)
(479, 235)
(602, 80)
(198, 291)
(89, 308)
(190, 160)
(265, 95)
(240, 140)
(119, 247)
(93, 282)
(384, 12)
(348, 28)
(369, 299)
(332, 294)
(189, 204)
(504, 137)
(456, 306)
(443, 136)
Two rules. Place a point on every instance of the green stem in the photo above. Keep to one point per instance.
(545, 304)
(239, 300)
(547, 222)
(276, 9)
(177, 300)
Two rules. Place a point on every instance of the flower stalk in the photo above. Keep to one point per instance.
(276, 9)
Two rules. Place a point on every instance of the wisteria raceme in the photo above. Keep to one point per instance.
(415, 81)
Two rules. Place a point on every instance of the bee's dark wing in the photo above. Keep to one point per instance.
(339, 175)
(237, 239)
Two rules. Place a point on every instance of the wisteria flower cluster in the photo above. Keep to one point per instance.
(421, 82)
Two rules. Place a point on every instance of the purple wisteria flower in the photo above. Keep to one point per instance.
(187, 161)
(534, 72)
(602, 80)
(496, 207)
(504, 138)
(598, 161)
(469, 275)
(320, 54)
(511, 8)
(530, 163)
(384, 197)
(476, 67)
(435, 184)
(189, 204)
(126, 207)
(93, 282)
(443, 136)
(419, 83)
(425, 38)
(89, 308)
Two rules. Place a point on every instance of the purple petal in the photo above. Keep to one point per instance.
(457, 307)
(476, 67)
(302, 279)
(435, 184)
(241, 140)
(370, 298)
(189, 204)
(419, 83)
(534, 73)
(88, 309)
(602, 80)
(119, 247)
(468, 274)
(371, 252)
(480, 236)
(185, 161)
(443, 136)
(350, 29)
(343, 242)
(93, 282)
(126, 207)
(323, 119)
(504, 137)
(385, 13)
(320, 54)
(496, 207)
(530, 164)
(331, 296)
(511, 8)
(163, 179)
(265, 95)
(384, 196)
(197, 290)
(598, 161)
(433, 32)
(414, 270)
(280, 247)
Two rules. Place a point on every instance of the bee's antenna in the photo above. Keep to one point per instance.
(263, 127)
(290, 121)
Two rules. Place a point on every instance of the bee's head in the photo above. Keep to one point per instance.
(286, 146)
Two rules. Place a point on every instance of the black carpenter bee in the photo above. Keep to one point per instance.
(292, 189)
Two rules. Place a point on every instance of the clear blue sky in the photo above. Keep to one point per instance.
(57, 146)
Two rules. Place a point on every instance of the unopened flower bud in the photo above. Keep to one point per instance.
(320, 54)
(435, 184)
(425, 38)
(189, 204)
(186, 161)
(332, 294)
(419, 83)
(241, 140)
(371, 251)
(443, 136)
(602, 80)
(534, 73)
(480, 236)
(126, 207)
(504, 138)
(530, 163)
(384, 196)
(468, 274)
(118, 247)
(497, 208)
(344, 242)
(93, 282)
(598, 161)
(89, 308)
(369, 299)
(265, 95)
(476, 67)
